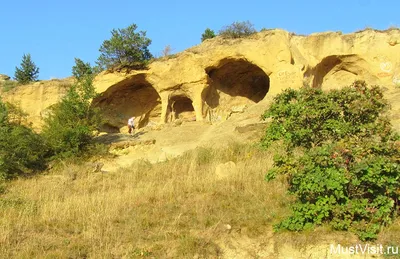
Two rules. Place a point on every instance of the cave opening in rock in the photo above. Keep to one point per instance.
(182, 108)
(236, 78)
(340, 70)
(134, 96)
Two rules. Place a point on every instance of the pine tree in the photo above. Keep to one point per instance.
(208, 34)
(69, 127)
(28, 72)
(126, 47)
(81, 69)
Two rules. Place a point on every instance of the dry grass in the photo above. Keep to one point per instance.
(389, 29)
(174, 209)
(8, 85)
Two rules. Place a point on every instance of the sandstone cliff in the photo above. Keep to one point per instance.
(209, 80)
(36, 98)
(221, 76)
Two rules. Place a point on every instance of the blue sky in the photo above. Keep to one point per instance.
(54, 32)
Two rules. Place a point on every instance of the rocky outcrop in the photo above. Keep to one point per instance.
(206, 81)
(4, 77)
(35, 99)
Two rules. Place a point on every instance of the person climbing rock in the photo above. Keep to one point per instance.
(131, 125)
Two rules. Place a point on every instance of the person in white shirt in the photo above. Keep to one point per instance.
(131, 125)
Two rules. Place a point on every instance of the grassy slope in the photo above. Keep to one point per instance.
(176, 208)
(173, 209)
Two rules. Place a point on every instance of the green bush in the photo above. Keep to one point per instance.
(21, 150)
(342, 158)
(308, 117)
(28, 72)
(69, 127)
(208, 34)
(126, 47)
(238, 30)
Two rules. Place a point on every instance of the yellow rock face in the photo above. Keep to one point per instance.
(36, 98)
(208, 81)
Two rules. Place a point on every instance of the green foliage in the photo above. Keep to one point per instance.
(15, 115)
(21, 150)
(69, 127)
(308, 117)
(28, 72)
(342, 158)
(126, 47)
(81, 69)
(208, 34)
(238, 30)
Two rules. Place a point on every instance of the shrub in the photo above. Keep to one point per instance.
(167, 51)
(208, 34)
(238, 30)
(69, 127)
(15, 115)
(8, 85)
(21, 150)
(81, 69)
(342, 158)
(126, 47)
(308, 117)
(265, 29)
(28, 72)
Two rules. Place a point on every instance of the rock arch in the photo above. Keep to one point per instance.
(235, 78)
(134, 96)
(181, 107)
(339, 70)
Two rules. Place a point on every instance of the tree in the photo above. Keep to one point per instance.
(69, 127)
(208, 34)
(28, 72)
(81, 69)
(21, 149)
(238, 30)
(126, 47)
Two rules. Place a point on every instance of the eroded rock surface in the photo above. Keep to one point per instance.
(35, 99)
(206, 81)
